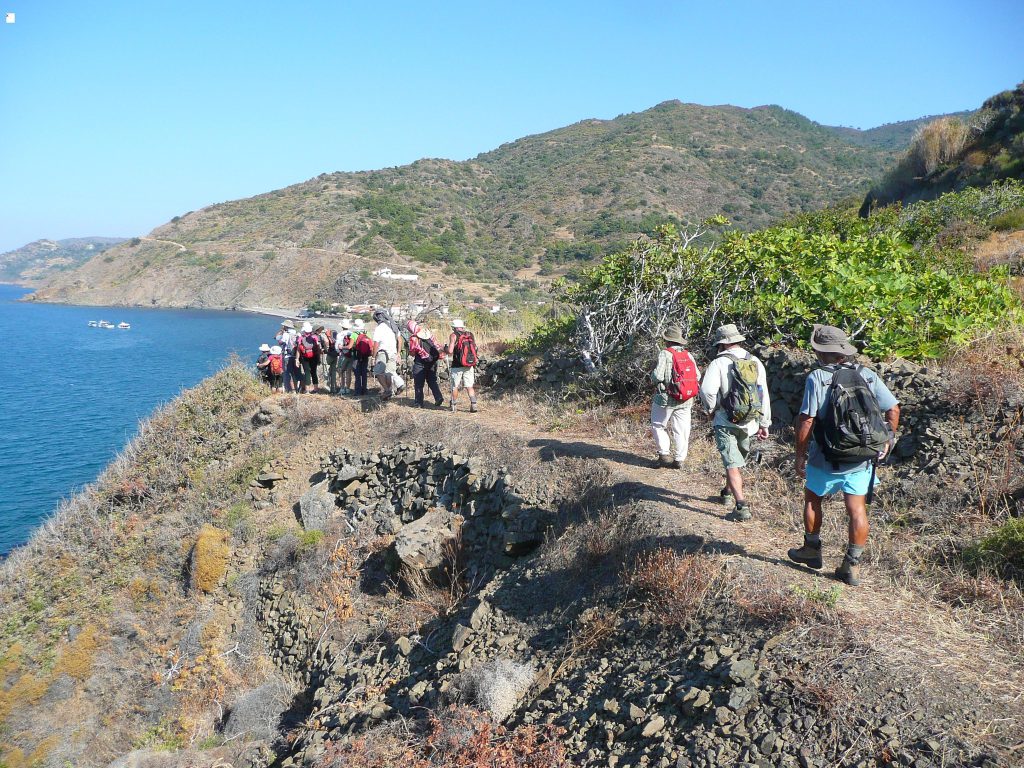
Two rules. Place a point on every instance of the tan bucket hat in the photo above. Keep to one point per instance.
(728, 334)
(674, 334)
(828, 338)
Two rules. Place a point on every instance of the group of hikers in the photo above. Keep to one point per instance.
(301, 358)
(847, 424)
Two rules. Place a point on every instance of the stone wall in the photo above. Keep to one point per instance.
(399, 485)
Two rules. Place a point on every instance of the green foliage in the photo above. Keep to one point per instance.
(1002, 550)
(894, 300)
(1008, 220)
(309, 540)
(923, 223)
(828, 598)
(554, 333)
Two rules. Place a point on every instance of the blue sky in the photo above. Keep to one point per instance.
(116, 116)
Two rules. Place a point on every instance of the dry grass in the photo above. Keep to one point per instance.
(453, 738)
(674, 586)
(210, 558)
(937, 143)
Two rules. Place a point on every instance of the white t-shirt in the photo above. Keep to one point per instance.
(386, 339)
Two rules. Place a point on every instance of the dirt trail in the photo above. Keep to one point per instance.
(915, 633)
(918, 637)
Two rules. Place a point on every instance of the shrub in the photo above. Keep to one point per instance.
(674, 585)
(77, 659)
(936, 144)
(497, 686)
(1012, 219)
(774, 283)
(209, 558)
(1001, 550)
(455, 738)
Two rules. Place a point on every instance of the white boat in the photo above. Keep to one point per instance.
(105, 324)
(123, 326)
(93, 324)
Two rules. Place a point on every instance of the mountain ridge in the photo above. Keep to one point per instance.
(548, 203)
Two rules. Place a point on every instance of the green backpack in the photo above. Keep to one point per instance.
(742, 401)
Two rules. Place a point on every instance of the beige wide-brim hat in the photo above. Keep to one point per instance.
(288, 324)
(307, 327)
(728, 334)
(423, 333)
(458, 324)
(264, 347)
(674, 334)
(275, 350)
(345, 325)
(828, 338)
(358, 325)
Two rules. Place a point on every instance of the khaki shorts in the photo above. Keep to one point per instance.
(733, 443)
(344, 363)
(463, 378)
(384, 364)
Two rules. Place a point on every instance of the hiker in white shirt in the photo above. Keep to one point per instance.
(385, 356)
(741, 408)
(671, 407)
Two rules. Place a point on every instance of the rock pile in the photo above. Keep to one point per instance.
(400, 485)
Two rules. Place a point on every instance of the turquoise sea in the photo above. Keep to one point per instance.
(71, 396)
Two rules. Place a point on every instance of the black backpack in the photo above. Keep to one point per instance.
(431, 349)
(852, 429)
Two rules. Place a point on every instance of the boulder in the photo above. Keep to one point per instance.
(316, 507)
(426, 548)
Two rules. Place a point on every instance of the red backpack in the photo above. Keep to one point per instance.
(464, 354)
(684, 384)
(308, 344)
(276, 365)
(363, 346)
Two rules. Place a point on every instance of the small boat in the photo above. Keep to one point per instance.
(93, 324)
(105, 324)
(123, 326)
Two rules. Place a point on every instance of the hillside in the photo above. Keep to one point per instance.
(551, 201)
(954, 152)
(325, 582)
(33, 263)
(893, 136)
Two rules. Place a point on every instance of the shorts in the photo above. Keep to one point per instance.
(733, 443)
(821, 482)
(384, 364)
(344, 363)
(463, 378)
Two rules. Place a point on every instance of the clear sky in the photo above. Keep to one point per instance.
(116, 116)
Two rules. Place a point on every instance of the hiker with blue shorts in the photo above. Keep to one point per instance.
(847, 424)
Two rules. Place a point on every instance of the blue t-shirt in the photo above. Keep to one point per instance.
(815, 400)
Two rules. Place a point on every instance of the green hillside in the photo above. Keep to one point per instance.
(547, 203)
(35, 261)
(957, 151)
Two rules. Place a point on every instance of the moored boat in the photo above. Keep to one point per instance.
(123, 326)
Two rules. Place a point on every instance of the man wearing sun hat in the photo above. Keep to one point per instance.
(734, 370)
(676, 377)
(823, 477)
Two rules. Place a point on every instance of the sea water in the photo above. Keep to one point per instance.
(72, 396)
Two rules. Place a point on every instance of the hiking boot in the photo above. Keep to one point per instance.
(808, 555)
(439, 404)
(676, 464)
(452, 406)
(664, 461)
(399, 388)
(723, 495)
(848, 573)
(472, 408)
(743, 512)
